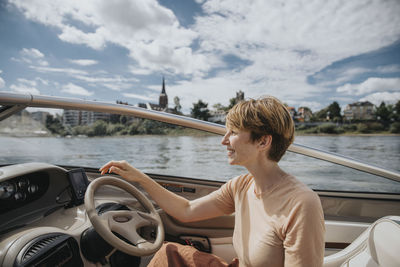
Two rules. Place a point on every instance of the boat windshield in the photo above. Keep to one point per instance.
(161, 148)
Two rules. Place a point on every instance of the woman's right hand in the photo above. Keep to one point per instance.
(123, 169)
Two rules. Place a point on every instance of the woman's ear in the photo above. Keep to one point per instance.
(265, 142)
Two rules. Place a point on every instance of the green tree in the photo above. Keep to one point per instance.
(219, 106)
(116, 128)
(334, 111)
(123, 119)
(397, 111)
(150, 127)
(115, 118)
(54, 125)
(320, 115)
(395, 127)
(383, 113)
(200, 110)
(99, 128)
(82, 129)
(232, 102)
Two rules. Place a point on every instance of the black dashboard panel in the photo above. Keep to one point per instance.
(20, 191)
(29, 192)
(54, 249)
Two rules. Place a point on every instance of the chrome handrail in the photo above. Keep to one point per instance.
(7, 98)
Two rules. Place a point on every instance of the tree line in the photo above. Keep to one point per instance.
(330, 119)
(386, 118)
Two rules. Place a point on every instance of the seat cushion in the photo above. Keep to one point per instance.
(382, 246)
(361, 259)
(384, 243)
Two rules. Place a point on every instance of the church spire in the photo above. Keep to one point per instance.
(163, 100)
(163, 86)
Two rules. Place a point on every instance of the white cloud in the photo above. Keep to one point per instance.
(23, 88)
(115, 83)
(330, 29)
(345, 74)
(31, 83)
(67, 71)
(73, 89)
(142, 97)
(84, 62)
(32, 56)
(139, 71)
(371, 85)
(283, 42)
(2, 82)
(387, 97)
(151, 33)
(32, 53)
(286, 41)
(52, 111)
(388, 69)
(43, 81)
(342, 76)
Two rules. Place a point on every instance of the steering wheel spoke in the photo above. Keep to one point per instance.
(145, 245)
(126, 223)
(149, 217)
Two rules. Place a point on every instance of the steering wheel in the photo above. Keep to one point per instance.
(125, 222)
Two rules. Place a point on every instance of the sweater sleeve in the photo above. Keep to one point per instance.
(304, 243)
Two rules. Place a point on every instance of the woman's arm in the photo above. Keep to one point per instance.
(176, 206)
(305, 232)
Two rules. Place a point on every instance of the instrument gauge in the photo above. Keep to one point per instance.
(7, 189)
(20, 196)
(23, 183)
(33, 188)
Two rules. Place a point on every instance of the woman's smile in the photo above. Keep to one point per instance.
(230, 152)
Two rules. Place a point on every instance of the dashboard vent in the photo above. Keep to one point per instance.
(37, 246)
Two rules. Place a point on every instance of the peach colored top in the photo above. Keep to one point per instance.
(283, 226)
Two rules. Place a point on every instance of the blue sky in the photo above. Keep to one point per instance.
(306, 53)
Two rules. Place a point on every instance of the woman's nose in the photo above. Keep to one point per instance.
(225, 139)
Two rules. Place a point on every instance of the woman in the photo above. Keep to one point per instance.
(278, 220)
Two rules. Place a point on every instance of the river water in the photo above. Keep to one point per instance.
(205, 158)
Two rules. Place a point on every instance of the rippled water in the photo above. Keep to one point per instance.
(205, 158)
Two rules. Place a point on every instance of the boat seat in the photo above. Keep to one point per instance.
(376, 246)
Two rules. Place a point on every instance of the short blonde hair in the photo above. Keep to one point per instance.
(264, 116)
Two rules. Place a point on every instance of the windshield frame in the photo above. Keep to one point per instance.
(12, 103)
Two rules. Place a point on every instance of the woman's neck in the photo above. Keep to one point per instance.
(266, 175)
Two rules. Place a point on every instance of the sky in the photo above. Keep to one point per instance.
(306, 53)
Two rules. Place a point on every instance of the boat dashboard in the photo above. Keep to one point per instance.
(43, 220)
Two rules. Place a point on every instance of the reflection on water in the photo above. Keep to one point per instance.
(205, 157)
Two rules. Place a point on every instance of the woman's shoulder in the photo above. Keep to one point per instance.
(241, 182)
(299, 191)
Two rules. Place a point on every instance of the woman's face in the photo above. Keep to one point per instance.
(241, 150)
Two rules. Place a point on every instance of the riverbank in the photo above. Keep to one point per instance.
(188, 132)
(372, 127)
(25, 126)
(346, 134)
